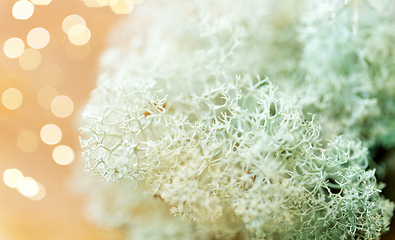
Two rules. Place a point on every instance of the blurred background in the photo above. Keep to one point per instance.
(48, 65)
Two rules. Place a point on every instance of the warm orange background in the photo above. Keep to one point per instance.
(58, 215)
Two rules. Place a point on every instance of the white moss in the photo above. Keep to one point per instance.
(182, 107)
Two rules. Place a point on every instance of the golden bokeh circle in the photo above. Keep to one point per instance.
(63, 155)
(14, 47)
(46, 95)
(22, 10)
(121, 6)
(41, 2)
(29, 187)
(13, 178)
(30, 59)
(51, 134)
(38, 38)
(79, 35)
(40, 194)
(72, 20)
(27, 141)
(62, 106)
(12, 98)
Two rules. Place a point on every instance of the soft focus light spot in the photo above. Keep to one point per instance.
(38, 38)
(72, 20)
(52, 75)
(63, 155)
(92, 3)
(40, 194)
(46, 95)
(14, 47)
(13, 178)
(41, 2)
(27, 141)
(62, 106)
(29, 187)
(104, 2)
(51, 134)
(78, 53)
(30, 59)
(121, 6)
(79, 35)
(12, 98)
(22, 10)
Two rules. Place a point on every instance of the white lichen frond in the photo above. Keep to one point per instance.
(184, 109)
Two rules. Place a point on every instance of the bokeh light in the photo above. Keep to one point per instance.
(72, 20)
(29, 187)
(40, 194)
(14, 47)
(22, 10)
(78, 53)
(62, 106)
(92, 3)
(51, 134)
(121, 6)
(41, 2)
(104, 2)
(30, 59)
(27, 141)
(52, 75)
(63, 155)
(46, 95)
(56, 67)
(13, 178)
(38, 38)
(79, 35)
(12, 98)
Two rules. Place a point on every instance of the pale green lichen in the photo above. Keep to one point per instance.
(182, 109)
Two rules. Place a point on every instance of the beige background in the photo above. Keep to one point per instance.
(58, 215)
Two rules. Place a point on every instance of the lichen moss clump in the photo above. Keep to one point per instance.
(185, 109)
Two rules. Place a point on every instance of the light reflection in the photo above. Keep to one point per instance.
(51, 134)
(104, 2)
(14, 47)
(79, 35)
(92, 3)
(62, 106)
(121, 6)
(29, 187)
(46, 95)
(12, 98)
(38, 38)
(41, 2)
(72, 20)
(27, 141)
(40, 194)
(63, 155)
(13, 178)
(22, 10)
(30, 59)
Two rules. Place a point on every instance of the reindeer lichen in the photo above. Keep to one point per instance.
(183, 108)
